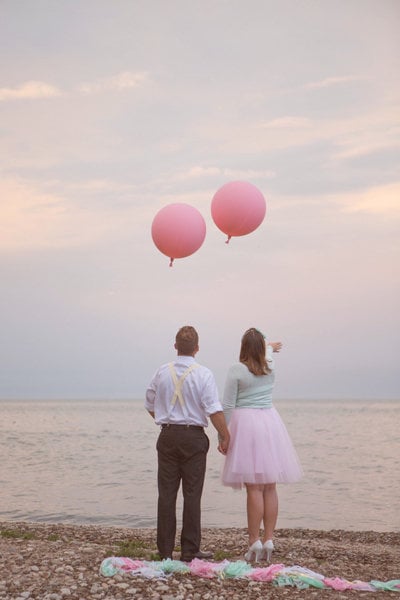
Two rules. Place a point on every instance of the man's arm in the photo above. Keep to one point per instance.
(218, 420)
(150, 398)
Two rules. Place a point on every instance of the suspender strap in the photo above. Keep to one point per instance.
(178, 395)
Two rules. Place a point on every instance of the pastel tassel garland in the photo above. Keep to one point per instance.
(278, 574)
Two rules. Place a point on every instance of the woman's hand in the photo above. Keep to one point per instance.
(276, 346)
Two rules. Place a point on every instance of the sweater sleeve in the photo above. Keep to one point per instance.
(270, 358)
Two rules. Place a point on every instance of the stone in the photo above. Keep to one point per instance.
(161, 587)
(122, 586)
(63, 565)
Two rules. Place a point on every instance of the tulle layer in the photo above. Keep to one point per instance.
(260, 450)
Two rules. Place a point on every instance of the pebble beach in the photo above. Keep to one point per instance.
(50, 561)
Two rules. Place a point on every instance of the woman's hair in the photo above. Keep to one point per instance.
(186, 340)
(252, 352)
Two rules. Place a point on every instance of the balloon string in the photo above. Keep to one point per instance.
(171, 261)
(227, 241)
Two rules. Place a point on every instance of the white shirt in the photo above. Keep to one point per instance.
(199, 391)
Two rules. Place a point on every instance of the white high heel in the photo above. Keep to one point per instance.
(254, 551)
(267, 549)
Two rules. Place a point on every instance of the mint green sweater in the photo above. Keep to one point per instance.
(243, 389)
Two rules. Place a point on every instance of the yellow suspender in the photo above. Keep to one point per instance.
(178, 386)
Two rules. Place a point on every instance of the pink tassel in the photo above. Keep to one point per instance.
(125, 564)
(265, 573)
(202, 568)
(337, 584)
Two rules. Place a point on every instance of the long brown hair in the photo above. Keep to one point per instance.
(252, 352)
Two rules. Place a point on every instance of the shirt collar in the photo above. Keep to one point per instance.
(185, 360)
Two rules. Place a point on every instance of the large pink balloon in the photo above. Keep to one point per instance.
(238, 208)
(178, 230)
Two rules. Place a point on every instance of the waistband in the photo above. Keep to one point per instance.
(176, 426)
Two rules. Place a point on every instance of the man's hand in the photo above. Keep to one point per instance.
(218, 420)
(223, 443)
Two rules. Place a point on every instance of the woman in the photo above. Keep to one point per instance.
(261, 453)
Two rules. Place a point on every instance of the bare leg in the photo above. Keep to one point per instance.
(270, 515)
(255, 510)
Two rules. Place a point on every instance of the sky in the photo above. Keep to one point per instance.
(111, 111)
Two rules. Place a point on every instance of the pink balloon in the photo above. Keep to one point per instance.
(238, 208)
(178, 230)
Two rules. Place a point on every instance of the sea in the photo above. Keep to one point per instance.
(94, 462)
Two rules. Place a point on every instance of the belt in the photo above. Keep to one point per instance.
(176, 426)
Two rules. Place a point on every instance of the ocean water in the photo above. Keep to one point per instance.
(95, 462)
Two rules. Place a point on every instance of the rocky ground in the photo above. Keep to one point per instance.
(61, 562)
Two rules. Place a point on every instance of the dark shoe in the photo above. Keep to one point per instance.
(200, 554)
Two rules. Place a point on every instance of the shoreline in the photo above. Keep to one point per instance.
(53, 561)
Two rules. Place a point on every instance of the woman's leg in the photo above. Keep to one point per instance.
(270, 512)
(255, 510)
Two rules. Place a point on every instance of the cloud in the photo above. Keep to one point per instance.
(358, 149)
(202, 172)
(370, 133)
(101, 186)
(331, 81)
(30, 90)
(31, 218)
(123, 81)
(344, 137)
(381, 200)
(27, 217)
(287, 123)
(197, 171)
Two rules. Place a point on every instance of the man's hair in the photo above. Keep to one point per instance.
(186, 340)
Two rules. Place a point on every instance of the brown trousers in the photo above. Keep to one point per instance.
(182, 453)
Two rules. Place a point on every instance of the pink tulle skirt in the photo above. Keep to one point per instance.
(260, 449)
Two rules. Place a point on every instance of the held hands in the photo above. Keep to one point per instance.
(276, 346)
(218, 420)
(223, 443)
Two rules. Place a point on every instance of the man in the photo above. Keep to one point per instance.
(181, 396)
